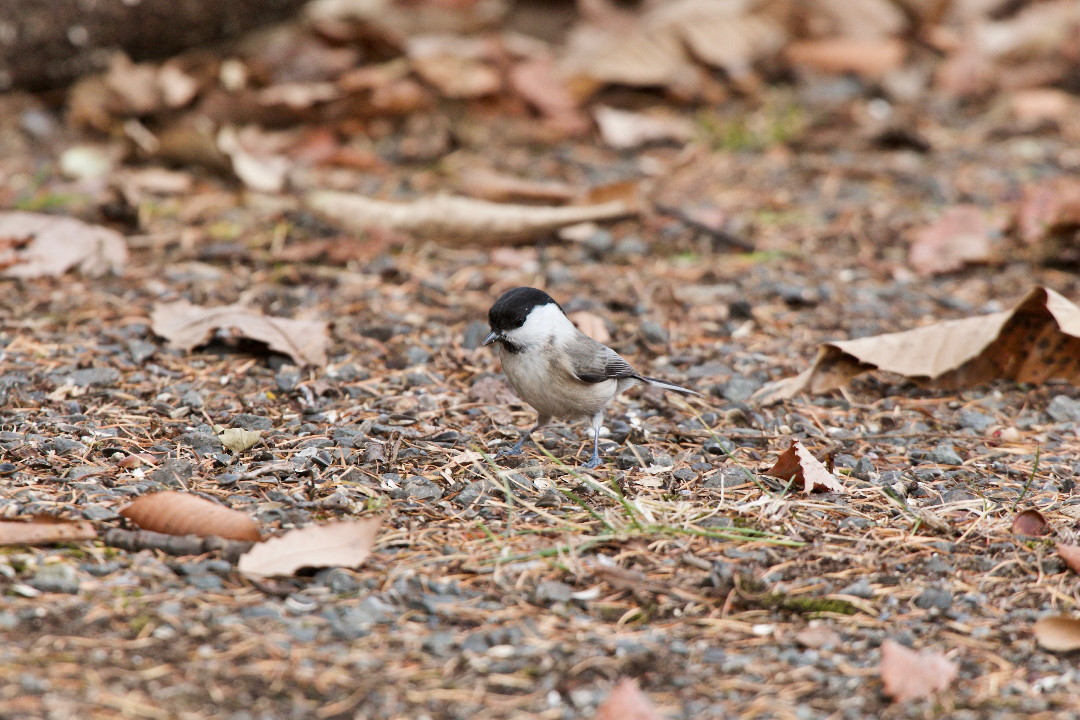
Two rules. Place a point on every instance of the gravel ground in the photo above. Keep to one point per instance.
(524, 588)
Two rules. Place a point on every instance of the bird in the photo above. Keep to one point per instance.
(557, 369)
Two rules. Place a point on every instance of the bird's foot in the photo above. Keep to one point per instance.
(593, 462)
(514, 449)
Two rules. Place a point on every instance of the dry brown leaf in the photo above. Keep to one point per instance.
(1036, 341)
(456, 66)
(623, 129)
(817, 636)
(799, 463)
(867, 57)
(1070, 554)
(187, 326)
(178, 513)
(627, 702)
(909, 675)
(1048, 207)
(661, 46)
(1037, 105)
(45, 530)
(1058, 633)
(259, 171)
(34, 245)
(339, 544)
(498, 187)
(538, 81)
(961, 236)
(444, 216)
(1031, 523)
(591, 324)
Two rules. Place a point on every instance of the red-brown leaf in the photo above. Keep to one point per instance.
(177, 513)
(1071, 555)
(1031, 523)
(797, 462)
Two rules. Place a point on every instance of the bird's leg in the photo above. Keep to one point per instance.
(515, 449)
(596, 423)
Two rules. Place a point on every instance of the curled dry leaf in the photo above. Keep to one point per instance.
(1058, 633)
(339, 544)
(591, 324)
(187, 326)
(444, 216)
(34, 245)
(1070, 554)
(1031, 523)
(178, 513)
(237, 439)
(961, 236)
(1036, 341)
(627, 702)
(45, 530)
(909, 675)
(797, 462)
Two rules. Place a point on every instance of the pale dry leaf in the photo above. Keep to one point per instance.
(623, 129)
(458, 67)
(591, 324)
(339, 544)
(909, 675)
(179, 513)
(237, 439)
(487, 184)
(261, 172)
(186, 326)
(1070, 555)
(45, 530)
(47, 245)
(871, 58)
(1036, 105)
(817, 636)
(960, 237)
(444, 216)
(799, 464)
(1058, 633)
(538, 81)
(1030, 523)
(627, 702)
(1038, 340)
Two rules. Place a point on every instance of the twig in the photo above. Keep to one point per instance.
(134, 540)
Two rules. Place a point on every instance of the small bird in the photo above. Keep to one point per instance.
(557, 369)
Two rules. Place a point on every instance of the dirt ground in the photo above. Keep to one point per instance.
(527, 587)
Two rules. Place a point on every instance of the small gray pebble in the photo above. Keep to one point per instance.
(93, 376)
(287, 379)
(474, 334)
(192, 398)
(552, 591)
(56, 578)
(599, 242)
(863, 467)
(65, 446)
(1063, 408)
(945, 454)
(975, 420)
(860, 589)
(99, 512)
(934, 597)
(203, 443)
(631, 246)
(419, 488)
(247, 421)
(739, 389)
(654, 333)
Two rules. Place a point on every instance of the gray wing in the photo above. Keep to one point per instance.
(594, 362)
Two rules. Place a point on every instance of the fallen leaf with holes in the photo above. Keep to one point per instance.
(1030, 523)
(178, 513)
(446, 217)
(909, 675)
(627, 702)
(186, 326)
(35, 245)
(960, 237)
(340, 544)
(1058, 633)
(798, 464)
(1070, 554)
(237, 439)
(45, 530)
(1038, 340)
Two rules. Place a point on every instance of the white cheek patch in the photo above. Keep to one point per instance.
(544, 322)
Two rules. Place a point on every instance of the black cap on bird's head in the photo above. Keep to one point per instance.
(511, 309)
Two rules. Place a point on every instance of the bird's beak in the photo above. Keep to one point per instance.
(493, 336)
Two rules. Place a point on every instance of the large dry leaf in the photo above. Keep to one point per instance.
(179, 513)
(1058, 633)
(627, 702)
(444, 216)
(34, 245)
(1036, 341)
(1070, 554)
(799, 464)
(45, 530)
(339, 544)
(186, 326)
(961, 236)
(909, 675)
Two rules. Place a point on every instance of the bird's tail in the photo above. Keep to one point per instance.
(665, 385)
